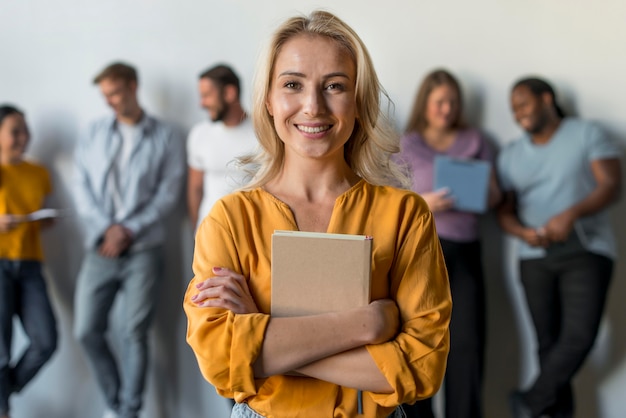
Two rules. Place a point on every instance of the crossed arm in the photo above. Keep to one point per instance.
(329, 347)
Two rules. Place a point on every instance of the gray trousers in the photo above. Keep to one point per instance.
(136, 276)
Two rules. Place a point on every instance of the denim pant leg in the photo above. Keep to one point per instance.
(96, 288)
(34, 310)
(141, 274)
(7, 310)
(242, 410)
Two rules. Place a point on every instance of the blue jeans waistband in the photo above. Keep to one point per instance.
(242, 410)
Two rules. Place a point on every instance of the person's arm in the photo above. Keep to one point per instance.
(227, 341)
(607, 174)
(294, 343)
(90, 210)
(510, 223)
(195, 192)
(486, 153)
(316, 346)
(399, 367)
(494, 194)
(354, 368)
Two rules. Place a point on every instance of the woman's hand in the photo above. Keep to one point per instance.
(8, 222)
(227, 290)
(438, 200)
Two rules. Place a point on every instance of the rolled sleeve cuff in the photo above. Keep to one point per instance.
(247, 341)
(407, 387)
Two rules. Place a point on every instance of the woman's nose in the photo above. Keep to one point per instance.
(314, 102)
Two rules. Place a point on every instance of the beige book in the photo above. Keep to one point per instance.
(314, 273)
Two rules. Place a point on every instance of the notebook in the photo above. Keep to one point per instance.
(315, 273)
(466, 179)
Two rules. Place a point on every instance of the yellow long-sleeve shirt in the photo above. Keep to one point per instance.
(407, 266)
(23, 189)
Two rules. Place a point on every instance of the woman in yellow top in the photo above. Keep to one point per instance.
(324, 167)
(23, 188)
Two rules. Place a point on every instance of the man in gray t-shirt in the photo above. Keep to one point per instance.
(558, 181)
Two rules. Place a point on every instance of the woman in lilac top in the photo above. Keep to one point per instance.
(435, 128)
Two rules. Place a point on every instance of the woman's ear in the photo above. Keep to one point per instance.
(268, 106)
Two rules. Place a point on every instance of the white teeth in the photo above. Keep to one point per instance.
(313, 129)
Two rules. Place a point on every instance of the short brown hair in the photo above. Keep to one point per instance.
(222, 75)
(117, 71)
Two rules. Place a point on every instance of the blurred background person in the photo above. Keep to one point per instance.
(435, 128)
(129, 173)
(558, 179)
(24, 186)
(212, 146)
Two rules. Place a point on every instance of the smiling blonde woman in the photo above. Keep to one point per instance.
(325, 167)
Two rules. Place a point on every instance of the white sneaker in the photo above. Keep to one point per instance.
(109, 414)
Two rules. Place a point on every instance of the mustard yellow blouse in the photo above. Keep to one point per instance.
(23, 188)
(407, 266)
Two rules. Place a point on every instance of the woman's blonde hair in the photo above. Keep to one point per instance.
(373, 140)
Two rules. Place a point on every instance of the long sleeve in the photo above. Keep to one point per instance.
(407, 266)
(226, 345)
(415, 362)
(87, 205)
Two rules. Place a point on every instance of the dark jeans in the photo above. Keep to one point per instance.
(566, 297)
(23, 294)
(464, 373)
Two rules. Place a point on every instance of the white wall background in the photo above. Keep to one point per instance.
(49, 52)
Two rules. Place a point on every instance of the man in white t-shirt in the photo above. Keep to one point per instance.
(213, 146)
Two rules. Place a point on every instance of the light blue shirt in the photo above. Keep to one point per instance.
(150, 188)
(549, 178)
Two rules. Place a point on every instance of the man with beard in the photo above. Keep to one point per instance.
(559, 180)
(213, 146)
(129, 172)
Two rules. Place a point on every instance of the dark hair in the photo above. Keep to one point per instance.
(538, 86)
(8, 110)
(222, 75)
(439, 77)
(117, 71)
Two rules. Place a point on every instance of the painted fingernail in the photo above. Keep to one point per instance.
(194, 297)
(216, 269)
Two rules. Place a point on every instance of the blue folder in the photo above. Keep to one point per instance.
(466, 179)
